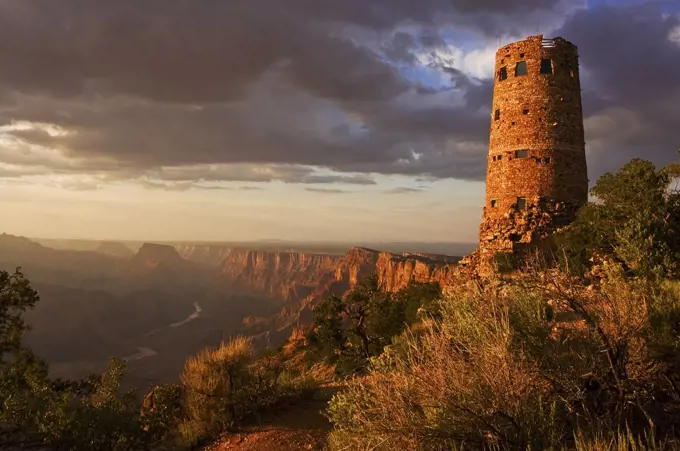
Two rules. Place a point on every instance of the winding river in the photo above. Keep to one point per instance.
(144, 353)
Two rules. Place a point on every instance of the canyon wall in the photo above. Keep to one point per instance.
(299, 281)
(283, 275)
(294, 276)
(333, 276)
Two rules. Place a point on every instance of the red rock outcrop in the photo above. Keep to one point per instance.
(394, 272)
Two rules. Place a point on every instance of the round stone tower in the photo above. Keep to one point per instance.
(536, 174)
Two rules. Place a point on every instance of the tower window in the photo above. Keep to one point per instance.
(503, 73)
(570, 69)
(497, 115)
(525, 112)
(521, 69)
(521, 203)
(546, 160)
(521, 153)
(546, 66)
(494, 203)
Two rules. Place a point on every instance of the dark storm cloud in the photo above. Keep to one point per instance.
(171, 82)
(262, 90)
(205, 50)
(404, 190)
(186, 186)
(631, 72)
(327, 190)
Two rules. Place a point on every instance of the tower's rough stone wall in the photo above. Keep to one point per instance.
(536, 173)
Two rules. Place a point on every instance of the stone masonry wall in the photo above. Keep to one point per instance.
(536, 172)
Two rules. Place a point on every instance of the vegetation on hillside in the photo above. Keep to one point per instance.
(634, 220)
(348, 332)
(226, 385)
(581, 354)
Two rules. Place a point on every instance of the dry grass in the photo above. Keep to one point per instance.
(215, 382)
(457, 382)
(226, 385)
(543, 362)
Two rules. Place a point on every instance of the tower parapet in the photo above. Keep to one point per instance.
(536, 173)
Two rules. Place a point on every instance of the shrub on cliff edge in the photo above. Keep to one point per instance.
(225, 385)
(348, 332)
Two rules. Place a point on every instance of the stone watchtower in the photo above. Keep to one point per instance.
(536, 175)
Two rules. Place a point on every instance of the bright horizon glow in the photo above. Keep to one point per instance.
(442, 211)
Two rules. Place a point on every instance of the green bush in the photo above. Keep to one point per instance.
(163, 410)
(634, 219)
(348, 332)
(108, 419)
(104, 418)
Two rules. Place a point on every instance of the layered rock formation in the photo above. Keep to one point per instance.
(294, 276)
(116, 305)
(394, 272)
(283, 275)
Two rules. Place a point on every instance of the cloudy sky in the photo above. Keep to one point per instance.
(297, 119)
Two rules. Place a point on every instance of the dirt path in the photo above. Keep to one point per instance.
(300, 427)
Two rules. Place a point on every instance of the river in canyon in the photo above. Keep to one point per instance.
(145, 353)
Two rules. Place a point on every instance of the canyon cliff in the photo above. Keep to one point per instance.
(303, 280)
(294, 276)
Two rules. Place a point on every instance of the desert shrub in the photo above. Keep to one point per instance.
(505, 262)
(348, 332)
(162, 412)
(216, 381)
(619, 441)
(102, 418)
(107, 419)
(456, 383)
(226, 385)
(544, 362)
